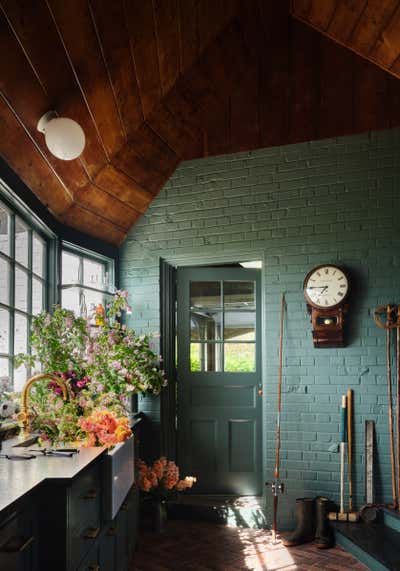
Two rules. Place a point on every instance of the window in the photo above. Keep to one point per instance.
(87, 279)
(23, 287)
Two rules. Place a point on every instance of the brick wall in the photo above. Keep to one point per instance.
(294, 207)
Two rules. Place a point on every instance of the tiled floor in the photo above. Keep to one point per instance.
(193, 546)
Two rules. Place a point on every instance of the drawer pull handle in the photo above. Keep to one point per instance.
(16, 544)
(90, 495)
(92, 533)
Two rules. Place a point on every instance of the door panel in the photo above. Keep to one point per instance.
(219, 374)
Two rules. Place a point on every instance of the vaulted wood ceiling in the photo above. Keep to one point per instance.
(154, 82)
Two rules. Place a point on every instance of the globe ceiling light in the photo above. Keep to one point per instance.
(64, 137)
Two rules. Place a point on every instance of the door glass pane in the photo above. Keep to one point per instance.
(239, 357)
(38, 255)
(70, 268)
(37, 296)
(4, 281)
(4, 330)
(20, 333)
(93, 274)
(21, 289)
(240, 325)
(205, 325)
(239, 295)
(3, 367)
(4, 231)
(21, 242)
(205, 357)
(205, 294)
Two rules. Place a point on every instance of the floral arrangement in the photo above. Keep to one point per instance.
(161, 479)
(102, 365)
(104, 428)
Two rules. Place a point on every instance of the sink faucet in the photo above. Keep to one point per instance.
(24, 416)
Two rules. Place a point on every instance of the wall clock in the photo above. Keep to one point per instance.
(326, 289)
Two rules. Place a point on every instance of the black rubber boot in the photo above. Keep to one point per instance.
(323, 535)
(305, 530)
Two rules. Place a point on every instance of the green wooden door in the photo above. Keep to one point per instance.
(219, 379)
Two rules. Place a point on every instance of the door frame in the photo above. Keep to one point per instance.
(168, 267)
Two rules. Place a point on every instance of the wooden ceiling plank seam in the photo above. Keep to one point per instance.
(301, 7)
(82, 219)
(346, 17)
(118, 56)
(348, 46)
(78, 81)
(30, 23)
(189, 33)
(131, 51)
(100, 201)
(39, 150)
(332, 15)
(141, 31)
(119, 183)
(162, 139)
(35, 72)
(387, 49)
(101, 48)
(125, 203)
(100, 216)
(358, 20)
(165, 14)
(383, 27)
(374, 17)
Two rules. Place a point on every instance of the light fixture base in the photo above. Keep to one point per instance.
(44, 119)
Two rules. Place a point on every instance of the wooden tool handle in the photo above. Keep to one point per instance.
(350, 445)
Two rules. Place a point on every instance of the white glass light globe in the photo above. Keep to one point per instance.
(64, 137)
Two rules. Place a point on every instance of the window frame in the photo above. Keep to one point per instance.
(17, 209)
(83, 253)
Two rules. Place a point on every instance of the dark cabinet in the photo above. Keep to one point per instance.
(18, 538)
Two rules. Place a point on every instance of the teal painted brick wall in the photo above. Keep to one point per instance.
(294, 207)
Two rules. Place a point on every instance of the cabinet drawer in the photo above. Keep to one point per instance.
(84, 514)
(17, 541)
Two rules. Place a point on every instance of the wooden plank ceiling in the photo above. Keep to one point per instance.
(154, 82)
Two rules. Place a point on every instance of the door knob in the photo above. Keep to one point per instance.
(260, 390)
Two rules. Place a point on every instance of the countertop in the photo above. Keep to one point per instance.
(19, 477)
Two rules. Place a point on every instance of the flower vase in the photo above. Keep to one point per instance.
(159, 516)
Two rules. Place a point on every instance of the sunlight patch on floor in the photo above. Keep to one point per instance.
(262, 553)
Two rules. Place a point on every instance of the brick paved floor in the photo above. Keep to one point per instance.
(198, 546)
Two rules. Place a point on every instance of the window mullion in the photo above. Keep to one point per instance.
(12, 298)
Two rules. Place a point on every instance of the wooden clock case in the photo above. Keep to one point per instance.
(327, 324)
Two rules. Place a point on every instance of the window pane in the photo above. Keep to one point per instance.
(21, 289)
(240, 325)
(21, 242)
(20, 378)
(239, 357)
(205, 357)
(205, 294)
(4, 281)
(3, 367)
(238, 295)
(4, 330)
(70, 299)
(38, 255)
(92, 299)
(20, 333)
(37, 296)
(70, 268)
(4, 231)
(93, 274)
(205, 325)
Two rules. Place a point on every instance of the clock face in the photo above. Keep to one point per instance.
(326, 286)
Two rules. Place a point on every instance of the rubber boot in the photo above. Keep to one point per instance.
(305, 530)
(323, 535)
